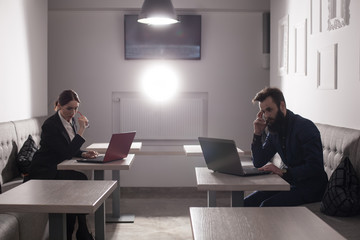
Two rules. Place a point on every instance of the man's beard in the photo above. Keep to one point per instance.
(278, 123)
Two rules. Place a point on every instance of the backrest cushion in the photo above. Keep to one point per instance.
(338, 143)
(27, 127)
(12, 137)
(25, 155)
(342, 195)
(8, 151)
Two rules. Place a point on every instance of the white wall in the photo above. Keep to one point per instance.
(86, 53)
(336, 106)
(23, 59)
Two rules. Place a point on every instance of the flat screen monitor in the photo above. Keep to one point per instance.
(175, 41)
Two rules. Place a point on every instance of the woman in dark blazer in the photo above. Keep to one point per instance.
(61, 140)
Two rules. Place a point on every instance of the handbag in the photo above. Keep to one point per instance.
(25, 155)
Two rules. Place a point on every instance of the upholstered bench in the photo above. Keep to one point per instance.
(338, 143)
(18, 226)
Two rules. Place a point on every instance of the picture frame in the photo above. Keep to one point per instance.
(283, 48)
(316, 13)
(327, 64)
(339, 14)
(300, 37)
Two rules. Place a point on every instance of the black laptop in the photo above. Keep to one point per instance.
(221, 155)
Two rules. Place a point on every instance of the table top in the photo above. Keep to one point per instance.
(139, 149)
(72, 164)
(295, 223)
(195, 151)
(160, 150)
(102, 147)
(213, 181)
(57, 196)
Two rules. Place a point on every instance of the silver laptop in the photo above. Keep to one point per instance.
(221, 155)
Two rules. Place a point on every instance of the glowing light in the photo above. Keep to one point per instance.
(160, 83)
(158, 21)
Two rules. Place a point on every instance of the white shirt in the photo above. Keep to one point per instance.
(68, 127)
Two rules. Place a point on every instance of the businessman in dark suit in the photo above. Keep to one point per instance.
(297, 141)
(61, 140)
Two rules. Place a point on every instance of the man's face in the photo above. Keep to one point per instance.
(273, 116)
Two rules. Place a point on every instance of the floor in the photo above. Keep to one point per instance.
(160, 213)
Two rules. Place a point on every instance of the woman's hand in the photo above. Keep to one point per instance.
(83, 121)
(90, 154)
(272, 168)
(83, 124)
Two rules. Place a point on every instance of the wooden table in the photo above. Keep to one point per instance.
(213, 181)
(139, 149)
(58, 197)
(195, 151)
(99, 168)
(102, 147)
(271, 223)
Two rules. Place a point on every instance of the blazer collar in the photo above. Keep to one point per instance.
(61, 127)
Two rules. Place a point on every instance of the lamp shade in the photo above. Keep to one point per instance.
(157, 12)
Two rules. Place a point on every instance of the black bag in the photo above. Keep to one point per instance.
(25, 155)
(342, 195)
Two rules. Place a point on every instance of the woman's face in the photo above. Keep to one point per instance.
(69, 110)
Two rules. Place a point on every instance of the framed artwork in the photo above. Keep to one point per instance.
(327, 59)
(315, 16)
(301, 48)
(338, 14)
(283, 35)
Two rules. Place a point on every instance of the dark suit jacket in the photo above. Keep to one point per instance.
(55, 147)
(303, 156)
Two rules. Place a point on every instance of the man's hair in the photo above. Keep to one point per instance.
(274, 93)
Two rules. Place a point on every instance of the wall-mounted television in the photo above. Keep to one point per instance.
(176, 41)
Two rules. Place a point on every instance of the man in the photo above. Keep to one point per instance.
(297, 141)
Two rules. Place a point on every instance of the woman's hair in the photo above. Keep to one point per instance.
(65, 97)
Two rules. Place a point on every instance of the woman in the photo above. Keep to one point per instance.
(61, 140)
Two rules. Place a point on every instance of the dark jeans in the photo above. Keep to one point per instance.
(272, 199)
(294, 197)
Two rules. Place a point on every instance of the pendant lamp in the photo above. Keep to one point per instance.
(157, 12)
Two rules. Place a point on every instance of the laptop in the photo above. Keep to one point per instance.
(118, 149)
(221, 155)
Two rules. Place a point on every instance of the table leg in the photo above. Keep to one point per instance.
(57, 226)
(237, 199)
(115, 217)
(211, 198)
(99, 175)
(100, 233)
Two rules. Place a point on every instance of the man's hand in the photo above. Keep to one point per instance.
(259, 124)
(272, 168)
